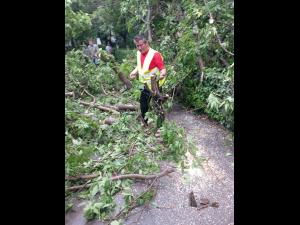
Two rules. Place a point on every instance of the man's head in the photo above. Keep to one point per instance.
(141, 43)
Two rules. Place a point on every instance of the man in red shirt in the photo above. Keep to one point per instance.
(151, 72)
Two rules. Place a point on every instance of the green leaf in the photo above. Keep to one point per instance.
(95, 190)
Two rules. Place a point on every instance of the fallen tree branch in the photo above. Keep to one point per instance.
(94, 99)
(122, 107)
(103, 90)
(75, 188)
(83, 177)
(99, 107)
(133, 202)
(126, 107)
(120, 177)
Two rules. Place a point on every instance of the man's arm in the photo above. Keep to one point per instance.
(159, 63)
(133, 74)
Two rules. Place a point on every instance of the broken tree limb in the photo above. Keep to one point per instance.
(120, 177)
(144, 177)
(122, 107)
(103, 90)
(133, 202)
(83, 177)
(126, 107)
(94, 99)
(99, 107)
(75, 188)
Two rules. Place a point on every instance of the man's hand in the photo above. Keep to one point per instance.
(162, 77)
(132, 75)
(163, 73)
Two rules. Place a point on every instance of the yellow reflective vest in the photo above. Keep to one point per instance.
(144, 73)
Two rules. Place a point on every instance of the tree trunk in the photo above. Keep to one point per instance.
(200, 60)
(148, 21)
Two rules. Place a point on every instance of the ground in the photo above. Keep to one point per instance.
(213, 181)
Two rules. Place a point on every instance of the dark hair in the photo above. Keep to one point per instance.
(140, 37)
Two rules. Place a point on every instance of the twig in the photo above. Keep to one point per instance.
(173, 93)
(144, 177)
(83, 177)
(217, 35)
(79, 187)
(134, 201)
(131, 149)
(94, 99)
(120, 177)
(103, 89)
(137, 220)
(221, 44)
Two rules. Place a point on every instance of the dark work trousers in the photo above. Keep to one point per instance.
(145, 99)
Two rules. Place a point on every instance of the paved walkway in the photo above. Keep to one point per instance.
(214, 181)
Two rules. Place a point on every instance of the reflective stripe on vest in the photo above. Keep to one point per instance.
(144, 73)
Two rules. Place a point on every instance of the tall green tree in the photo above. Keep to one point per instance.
(77, 24)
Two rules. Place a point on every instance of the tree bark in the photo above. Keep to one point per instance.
(201, 66)
(200, 60)
(99, 107)
(148, 21)
(121, 107)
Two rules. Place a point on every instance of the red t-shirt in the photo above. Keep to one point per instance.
(157, 61)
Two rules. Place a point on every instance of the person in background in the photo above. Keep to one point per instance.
(108, 48)
(93, 48)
